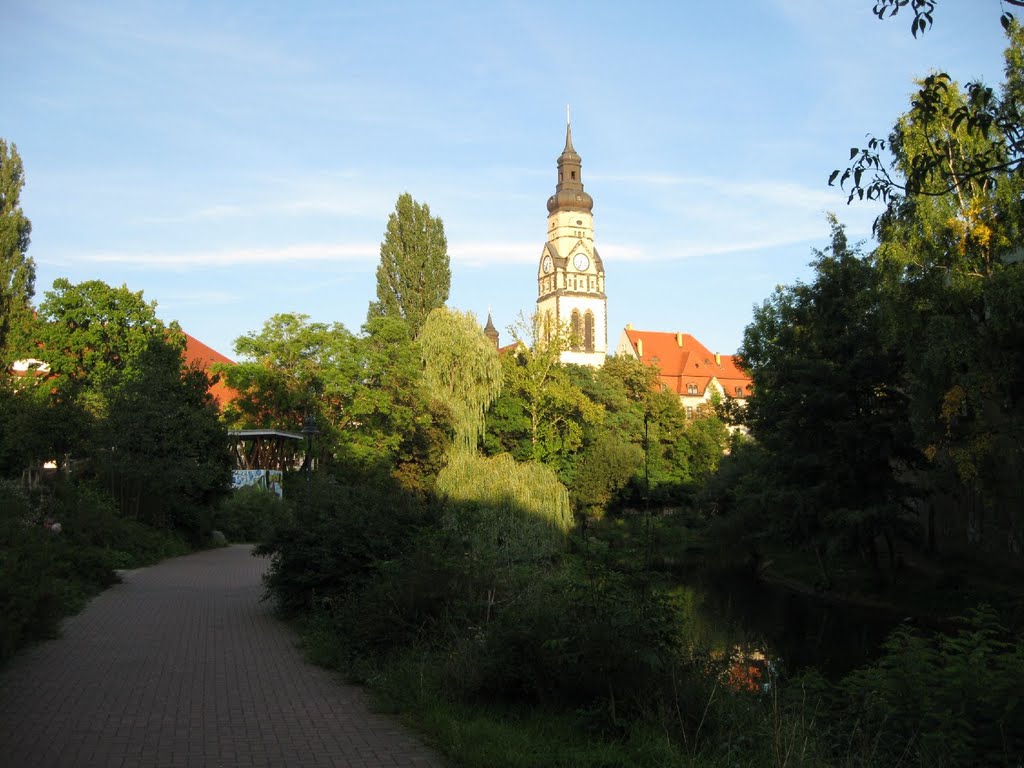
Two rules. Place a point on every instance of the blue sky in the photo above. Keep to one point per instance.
(238, 159)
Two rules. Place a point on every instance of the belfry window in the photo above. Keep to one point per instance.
(574, 327)
(588, 332)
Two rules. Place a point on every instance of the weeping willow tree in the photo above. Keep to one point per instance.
(461, 370)
(516, 512)
(512, 512)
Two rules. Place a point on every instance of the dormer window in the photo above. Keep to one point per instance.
(691, 389)
(739, 391)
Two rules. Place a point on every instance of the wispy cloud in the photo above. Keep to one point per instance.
(781, 193)
(236, 257)
(199, 298)
(179, 34)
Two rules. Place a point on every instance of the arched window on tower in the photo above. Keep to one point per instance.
(574, 329)
(547, 326)
(588, 331)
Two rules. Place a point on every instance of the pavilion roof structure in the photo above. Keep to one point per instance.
(265, 448)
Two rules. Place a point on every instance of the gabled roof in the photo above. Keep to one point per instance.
(202, 356)
(684, 362)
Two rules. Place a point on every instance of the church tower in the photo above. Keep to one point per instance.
(570, 275)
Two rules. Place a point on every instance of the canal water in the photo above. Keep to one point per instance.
(734, 612)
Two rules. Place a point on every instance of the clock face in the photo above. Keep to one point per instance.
(580, 261)
(546, 264)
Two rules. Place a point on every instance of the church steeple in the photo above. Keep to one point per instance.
(569, 193)
(570, 274)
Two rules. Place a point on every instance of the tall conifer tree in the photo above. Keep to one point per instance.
(17, 270)
(414, 275)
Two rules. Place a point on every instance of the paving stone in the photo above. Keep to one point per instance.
(182, 666)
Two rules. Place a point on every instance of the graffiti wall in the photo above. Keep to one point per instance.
(270, 479)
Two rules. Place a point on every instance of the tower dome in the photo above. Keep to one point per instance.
(569, 193)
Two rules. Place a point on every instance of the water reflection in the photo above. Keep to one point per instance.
(761, 623)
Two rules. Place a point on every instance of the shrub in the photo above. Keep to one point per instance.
(249, 514)
(502, 508)
(580, 641)
(335, 538)
(30, 601)
(951, 699)
(47, 572)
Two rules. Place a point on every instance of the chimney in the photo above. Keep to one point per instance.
(639, 347)
(679, 340)
(718, 359)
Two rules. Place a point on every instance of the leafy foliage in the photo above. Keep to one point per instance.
(47, 571)
(503, 510)
(149, 424)
(460, 370)
(17, 269)
(414, 275)
(829, 410)
(924, 12)
(952, 699)
(543, 405)
(973, 137)
(366, 393)
(249, 514)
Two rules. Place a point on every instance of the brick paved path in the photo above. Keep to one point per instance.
(181, 665)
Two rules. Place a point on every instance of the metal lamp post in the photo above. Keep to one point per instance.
(310, 430)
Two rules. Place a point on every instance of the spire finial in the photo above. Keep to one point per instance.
(568, 131)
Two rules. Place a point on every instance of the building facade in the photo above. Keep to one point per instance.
(570, 274)
(688, 368)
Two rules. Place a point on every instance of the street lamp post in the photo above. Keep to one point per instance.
(310, 430)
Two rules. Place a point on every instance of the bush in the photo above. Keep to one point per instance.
(249, 514)
(335, 540)
(515, 511)
(595, 642)
(90, 518)
(58, 546)
(951, 699)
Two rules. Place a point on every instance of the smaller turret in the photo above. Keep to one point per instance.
(490, 331)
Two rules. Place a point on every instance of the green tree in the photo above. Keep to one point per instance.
(152, 429)
(414, 275)
(93, 336)
(830, 410)
(461, 370)
(557, 409)
(17, 269)
(993, 121)
(677, 452)
(292, 369)
(165, 449)
(394, 421)
(366, 392)
(951, 294)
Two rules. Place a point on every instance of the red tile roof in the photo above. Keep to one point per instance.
(202, 356)
(683, 361)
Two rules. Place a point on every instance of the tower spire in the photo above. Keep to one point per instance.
(569, 193)
(568, 132)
